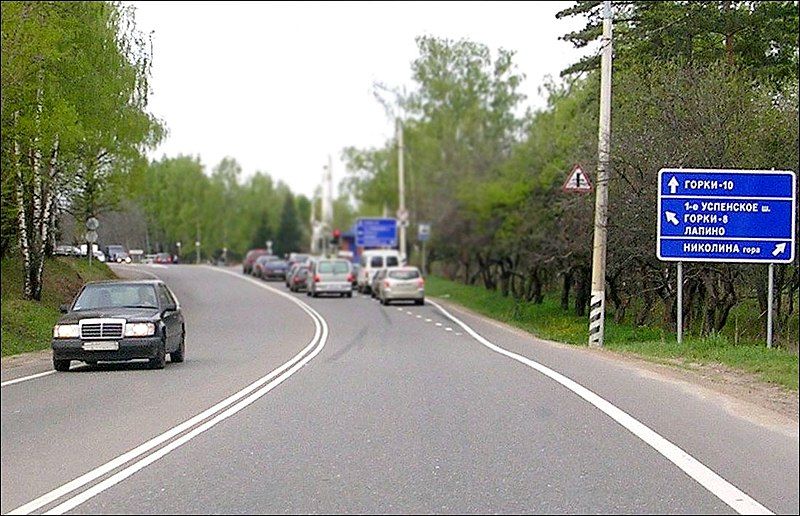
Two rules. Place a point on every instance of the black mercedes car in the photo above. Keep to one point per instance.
(120, 320)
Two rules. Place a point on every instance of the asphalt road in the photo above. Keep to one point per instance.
(373, 409)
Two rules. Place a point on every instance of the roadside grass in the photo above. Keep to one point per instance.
(549, 321)
(28, 325)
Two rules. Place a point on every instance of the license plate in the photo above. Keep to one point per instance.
(101, 346)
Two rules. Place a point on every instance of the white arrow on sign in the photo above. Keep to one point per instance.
(671, 217)
(779, 249)
(673, 185)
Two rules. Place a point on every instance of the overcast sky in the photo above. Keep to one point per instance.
(280, 86)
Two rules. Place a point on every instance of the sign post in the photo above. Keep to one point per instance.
(423, 234)
(680, 302)
(729, 216)
(91, 236)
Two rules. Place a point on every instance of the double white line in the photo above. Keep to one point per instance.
(195, 426)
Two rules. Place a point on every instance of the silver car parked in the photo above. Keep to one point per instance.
(376, 282)
(330, 276)
(402, 283)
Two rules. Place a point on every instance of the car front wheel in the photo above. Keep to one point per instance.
(61, 365)
(160, 360)
(177, 355)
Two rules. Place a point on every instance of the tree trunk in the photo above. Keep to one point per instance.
(728, 34)
(565, 287)
(582, 291)
(535, 289)
(22, 217)
(48, 195)
(616, 300)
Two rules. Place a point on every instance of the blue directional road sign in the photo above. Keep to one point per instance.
(726, 215)
(376, 233)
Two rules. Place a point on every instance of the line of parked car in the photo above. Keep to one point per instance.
(379, 273)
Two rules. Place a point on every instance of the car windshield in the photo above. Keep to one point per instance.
(116, 296)
(404, 275)
(333, 267)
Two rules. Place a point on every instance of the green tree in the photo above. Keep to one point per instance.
(289, 234)
(74, 87)
(263, 231)
(759, 37)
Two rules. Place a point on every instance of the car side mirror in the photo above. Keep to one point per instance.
(63, 309)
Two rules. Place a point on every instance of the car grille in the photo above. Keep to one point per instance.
(102, 330)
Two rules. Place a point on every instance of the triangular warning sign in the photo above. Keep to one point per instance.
(578, 181)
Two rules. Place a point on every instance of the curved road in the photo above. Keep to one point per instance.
(396, 409)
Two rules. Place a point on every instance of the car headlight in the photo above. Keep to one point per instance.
(140, 329)
(66, 331)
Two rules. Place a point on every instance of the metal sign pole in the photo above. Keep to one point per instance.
(770, 287)
(401, 190)
(424, 268)
(680, 302)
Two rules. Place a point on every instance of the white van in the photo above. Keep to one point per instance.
(372, 261)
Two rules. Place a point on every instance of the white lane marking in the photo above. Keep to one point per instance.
(419, 316)
(25, 378)
(448, 329)
(146, 461)
(46, 373)
(438, 324)
(319, 339)
(409, 313)
(157, 266)
(702, 474)
(428, 320)
(459, 334)
(399, 309)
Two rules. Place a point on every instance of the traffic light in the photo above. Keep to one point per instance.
(336, 235)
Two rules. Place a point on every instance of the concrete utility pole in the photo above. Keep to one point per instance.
(401, 190)
(197, 243)
(313, 221)
(597, 312)
(327, 209)
(327, 204)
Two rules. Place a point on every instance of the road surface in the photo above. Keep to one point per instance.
(288, 404)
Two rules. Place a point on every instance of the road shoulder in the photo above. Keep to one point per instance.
(739, 392)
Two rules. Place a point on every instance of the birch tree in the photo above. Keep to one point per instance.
(74, 87)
